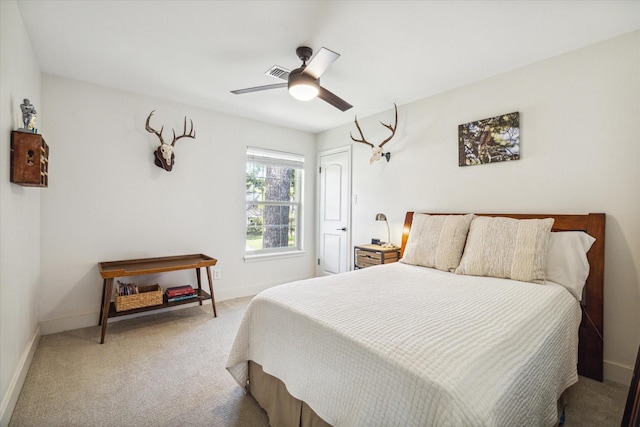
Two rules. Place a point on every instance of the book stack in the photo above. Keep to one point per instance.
(179, 293)
(127, 289)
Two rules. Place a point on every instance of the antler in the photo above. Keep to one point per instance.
(391, 128)
(151, 130)
(364, 141)
(191, 134)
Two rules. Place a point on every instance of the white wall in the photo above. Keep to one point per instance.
(579, 121)
(108, 201)
(19, 214)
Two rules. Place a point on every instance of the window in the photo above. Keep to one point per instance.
(274, 201)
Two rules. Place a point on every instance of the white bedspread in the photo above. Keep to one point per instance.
(399, 345)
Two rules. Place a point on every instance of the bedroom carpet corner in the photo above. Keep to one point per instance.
(167, 369)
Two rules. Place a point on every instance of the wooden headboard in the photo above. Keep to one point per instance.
(591, 328)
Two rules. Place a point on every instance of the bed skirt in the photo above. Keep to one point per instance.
(287, 411)
(283, 409)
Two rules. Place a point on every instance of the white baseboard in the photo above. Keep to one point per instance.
(10, 399)
(247, 291)
(617, 373)
(62, 324)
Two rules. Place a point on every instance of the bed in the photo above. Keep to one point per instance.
(407, 344)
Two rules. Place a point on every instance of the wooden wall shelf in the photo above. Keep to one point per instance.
(29, 160)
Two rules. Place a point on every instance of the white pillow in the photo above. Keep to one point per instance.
(506, 248)
(437, 241)
(567, 262)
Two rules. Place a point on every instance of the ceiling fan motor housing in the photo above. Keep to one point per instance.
(298, 77)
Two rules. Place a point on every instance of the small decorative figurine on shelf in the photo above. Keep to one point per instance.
(28, 117)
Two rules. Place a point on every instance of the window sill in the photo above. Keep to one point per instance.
(277, 255)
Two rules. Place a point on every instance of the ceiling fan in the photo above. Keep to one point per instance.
(304, 82)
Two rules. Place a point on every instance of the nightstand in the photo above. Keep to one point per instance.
(368, 255)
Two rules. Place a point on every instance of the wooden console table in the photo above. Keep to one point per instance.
(135, 267)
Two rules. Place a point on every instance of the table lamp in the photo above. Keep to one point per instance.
(383, 217)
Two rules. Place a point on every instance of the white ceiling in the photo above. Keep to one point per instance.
(195, 52)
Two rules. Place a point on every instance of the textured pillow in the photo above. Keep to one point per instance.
(437, 240)
(567, 262)
(507, 248)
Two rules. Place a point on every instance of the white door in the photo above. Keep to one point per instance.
(334, 211)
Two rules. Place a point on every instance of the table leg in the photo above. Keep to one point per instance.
(106, 301)
(104, 286)
(199, 283)
(213, 299)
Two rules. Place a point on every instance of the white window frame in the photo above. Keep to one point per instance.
(264, 157)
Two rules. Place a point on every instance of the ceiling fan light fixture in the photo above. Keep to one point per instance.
(304, 91)
(302, 86)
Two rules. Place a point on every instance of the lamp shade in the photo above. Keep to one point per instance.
(381, 217)
(303, 92)
(301, 86)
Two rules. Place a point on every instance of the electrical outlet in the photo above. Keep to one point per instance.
(217, 274)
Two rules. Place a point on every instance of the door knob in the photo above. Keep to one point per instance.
(342, 229)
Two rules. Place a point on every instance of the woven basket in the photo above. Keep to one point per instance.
(148, 295)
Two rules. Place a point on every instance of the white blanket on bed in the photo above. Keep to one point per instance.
(400, 345)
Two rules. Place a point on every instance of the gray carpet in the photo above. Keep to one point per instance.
(167, 369)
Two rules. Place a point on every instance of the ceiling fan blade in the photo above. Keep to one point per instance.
(258, 88)
(334, 100)
(321, 62)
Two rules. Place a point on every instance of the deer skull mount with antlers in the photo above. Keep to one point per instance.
(164, 153)
(376, 151)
